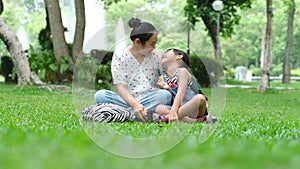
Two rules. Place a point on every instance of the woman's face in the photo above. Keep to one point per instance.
(149, 46)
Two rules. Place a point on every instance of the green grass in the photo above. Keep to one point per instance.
(40, 129)
(273, 84)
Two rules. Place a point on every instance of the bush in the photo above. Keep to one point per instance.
(102, 55)
(103, 75)
(94, 69)
(229, 73)
(43, 63)
(7, 69)
(295, 72)
(276, 70)
(256, 71)
(206, 70)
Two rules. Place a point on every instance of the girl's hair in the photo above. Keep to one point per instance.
(142, 30)
(185, 58)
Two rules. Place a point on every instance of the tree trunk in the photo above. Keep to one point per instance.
(263, 45)
(298, 62)
(60, 45)
(45, 35)
(18, 55)
(10, 39)
(79, 31)
(289, 41)
(213, 31)
(265, 78)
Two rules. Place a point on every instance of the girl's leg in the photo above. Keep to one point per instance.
(194, 108)
(162, 109)
(188, 112)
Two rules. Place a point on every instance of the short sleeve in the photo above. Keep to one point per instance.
(118, 68)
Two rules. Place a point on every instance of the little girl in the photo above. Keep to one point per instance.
(189, 103)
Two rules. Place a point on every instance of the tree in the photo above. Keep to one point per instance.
(26, 16)
(196, 9)
(79, 31)
(25, 76)
(264, 82)
(244, 46)
(57, 30)
(168, 18)
(10, 39)
(60, 45)
(289, 41)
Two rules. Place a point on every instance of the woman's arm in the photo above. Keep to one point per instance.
(139, 110)
(120, 73)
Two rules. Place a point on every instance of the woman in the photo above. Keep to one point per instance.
(135, 71)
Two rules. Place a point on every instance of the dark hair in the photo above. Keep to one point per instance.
(185, 58)
(142, 30)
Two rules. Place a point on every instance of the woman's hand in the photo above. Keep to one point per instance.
(140, 112)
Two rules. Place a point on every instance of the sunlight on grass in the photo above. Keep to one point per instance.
(2, 79)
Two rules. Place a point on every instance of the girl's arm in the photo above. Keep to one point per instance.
(162, 84)
(183, 78)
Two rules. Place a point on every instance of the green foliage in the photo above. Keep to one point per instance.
(295, 72)
(37, 21)
(103, 76)
(173, 40)
(276, 70)
(24, 14)
(94, 70)
(43, 63)
(168, 18)
(195, 9)
(229, 73)
(244, 47)
(26, 5)
(206, 70)
(256, 71)
(11, 10)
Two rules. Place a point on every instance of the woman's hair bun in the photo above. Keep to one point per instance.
(134, 22)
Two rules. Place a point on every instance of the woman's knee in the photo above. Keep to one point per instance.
(100, 96)
(165, 96)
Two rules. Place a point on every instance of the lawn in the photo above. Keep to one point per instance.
(40, 129)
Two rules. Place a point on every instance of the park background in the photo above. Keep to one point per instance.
(39, 128)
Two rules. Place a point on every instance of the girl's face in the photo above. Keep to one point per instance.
(149, 46)
(168, 57)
